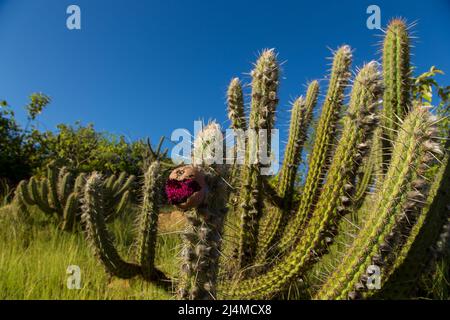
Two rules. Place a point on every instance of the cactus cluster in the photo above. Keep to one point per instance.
(59, 195)
(376, 163)
(102, 241)
(371, 164)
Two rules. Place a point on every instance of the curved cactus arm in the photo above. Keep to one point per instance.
(118, 183)
(364, 177)
(300, 121)
(31, 185)
(403, 278)
(70, 211)
(97, 233)
(235, 102)
(396, 74)
(109, 182)
(123, 203)
(264, 100)
(278, 217)
(236, 114)
(80, 181)
(147, 223)
(202, 243)
(25, 193)
(39, 193)
(395, 204)
(124, 187)
(65, 186)
(52, 183)
(21, 202)
(325, 133)
(334, 199)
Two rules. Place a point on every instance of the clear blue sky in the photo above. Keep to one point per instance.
(144, 68)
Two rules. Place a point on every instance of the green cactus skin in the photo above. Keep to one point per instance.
(97, 233)
(325, 134)
(264, 100)
(236, 114)
(41, 196)
(147, 222)
(123, 188)
(52, 180)
(411, 264)
(20, 201)
(65, 185)
(52, 195)
(123, 203)
(118, 183)
(102, 241)
(202, 243)
(80, 181)
(334, 199)
(235, 102)
(70, 212)
(300, 120)
(365, 176)
(395, 202)
(396, 73)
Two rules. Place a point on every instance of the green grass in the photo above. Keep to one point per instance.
(33, 262)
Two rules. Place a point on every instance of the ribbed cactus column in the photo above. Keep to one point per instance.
(264, 101)
(275, 221)
(235, 101)
(396, 74)
(236, 114)
(102, 241)
(334, 199)
(199, 190)
(397, 204)
(202, 242)
(147, 221)
(300, 120)
(97, 233)
(320, 155)
(59, 195)
(420, 247)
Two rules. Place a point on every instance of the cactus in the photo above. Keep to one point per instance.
(199, 190)
(264, 100)
(386, 199)
(376, 165)
(320, 155)
(102, 241)
(59, 194)
(397, 204)
(334, 198)
(276, 221)
(396, 74)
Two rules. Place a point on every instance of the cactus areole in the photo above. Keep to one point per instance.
(186, 187)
